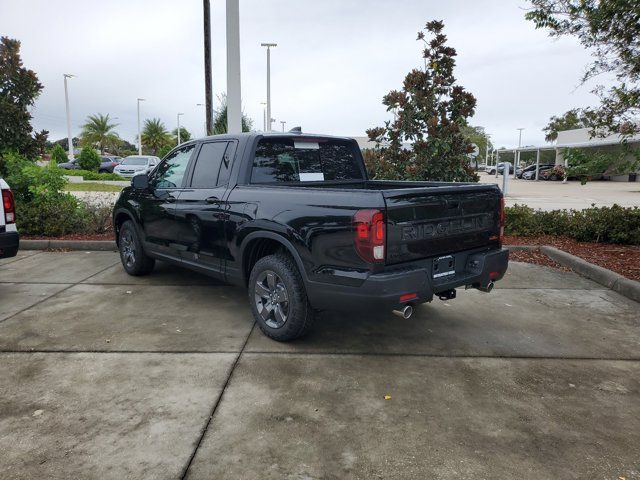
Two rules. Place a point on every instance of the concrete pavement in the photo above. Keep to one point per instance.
(545, 195)
(109, 376)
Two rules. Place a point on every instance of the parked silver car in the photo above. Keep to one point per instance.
(135, 165)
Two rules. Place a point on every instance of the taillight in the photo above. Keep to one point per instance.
(370, 232)
(501, 220)
(9, 206)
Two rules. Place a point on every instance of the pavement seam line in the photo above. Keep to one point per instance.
(21, 258)
(54, 294)
(185, 472)
(326, 354)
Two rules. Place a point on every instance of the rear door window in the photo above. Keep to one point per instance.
(208, 165)
(305, 160)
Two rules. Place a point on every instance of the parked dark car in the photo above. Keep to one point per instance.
(107, 164)
(520, 173)
(295, 219)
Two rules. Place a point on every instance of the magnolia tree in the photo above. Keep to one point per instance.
(429, 114)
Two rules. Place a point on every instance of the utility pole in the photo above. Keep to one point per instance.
(66, 100)
(139, 134)
(264, 116)
(234, 107)
(269, 45)
(208, 95)
(179, 127)
(282, 124)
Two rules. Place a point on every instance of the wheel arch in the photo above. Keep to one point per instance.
(257, 245)
(119, 217)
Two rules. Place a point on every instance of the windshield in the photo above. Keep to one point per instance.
(134, 161)
(305, 160)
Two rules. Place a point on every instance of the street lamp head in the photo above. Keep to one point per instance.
(141, 99)
(181, 114)
(200, 105)
(268, 45)
(68, 75)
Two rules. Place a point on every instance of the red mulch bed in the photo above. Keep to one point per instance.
(537, 257)
(622, 259)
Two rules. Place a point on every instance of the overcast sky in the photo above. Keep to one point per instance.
(334, 61)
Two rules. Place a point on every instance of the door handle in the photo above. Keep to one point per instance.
(212, 200)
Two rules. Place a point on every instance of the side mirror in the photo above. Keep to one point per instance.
(140, 182)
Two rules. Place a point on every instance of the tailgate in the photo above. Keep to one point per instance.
(429, 221)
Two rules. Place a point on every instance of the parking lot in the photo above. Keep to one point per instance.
(548, 195)
(109, 376)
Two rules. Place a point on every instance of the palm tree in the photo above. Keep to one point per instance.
(98, 131)
(155, 135)
(220, 118)
(185, 135)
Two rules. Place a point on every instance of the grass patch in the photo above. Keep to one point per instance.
(91, 187)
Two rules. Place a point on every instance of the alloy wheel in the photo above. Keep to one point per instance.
(271, 299)
(128, 249)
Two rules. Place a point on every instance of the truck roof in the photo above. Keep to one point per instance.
(249, 135)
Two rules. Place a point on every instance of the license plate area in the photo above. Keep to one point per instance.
(443, 266)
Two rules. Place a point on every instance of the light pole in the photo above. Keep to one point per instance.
(139, 135)
(234, 107)
(486, 153)
(205, 119)
(66, 100)
(269, 45)
(178, 117)
(282, 123)
(517, 160)
(264, 116)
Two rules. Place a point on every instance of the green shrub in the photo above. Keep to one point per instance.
(58, 155)
(89, 159)
(614, 224)
(97, 217)
(50, 216)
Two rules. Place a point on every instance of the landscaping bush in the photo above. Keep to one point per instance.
(97, 217)
(614, 224)
(50, 216)
(89, 159)
(58, 155)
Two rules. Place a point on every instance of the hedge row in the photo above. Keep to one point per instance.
(614, 224)
(90, 175)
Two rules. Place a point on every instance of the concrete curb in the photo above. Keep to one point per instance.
(97, 245)
(612, 280)
(529, 248)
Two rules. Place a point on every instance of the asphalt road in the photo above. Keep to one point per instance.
(108, 376)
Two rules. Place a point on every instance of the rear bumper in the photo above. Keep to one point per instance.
(9, 244)
(383, 290)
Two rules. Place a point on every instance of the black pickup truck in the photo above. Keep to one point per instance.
(294, 218)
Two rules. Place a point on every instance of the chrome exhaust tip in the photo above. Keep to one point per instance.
(405, 312)
(487, 288)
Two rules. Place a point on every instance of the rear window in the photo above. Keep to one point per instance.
(305, 160)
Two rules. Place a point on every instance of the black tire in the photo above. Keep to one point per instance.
(492, 172)
(134, 260)
(282, 316)
(103, 171)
